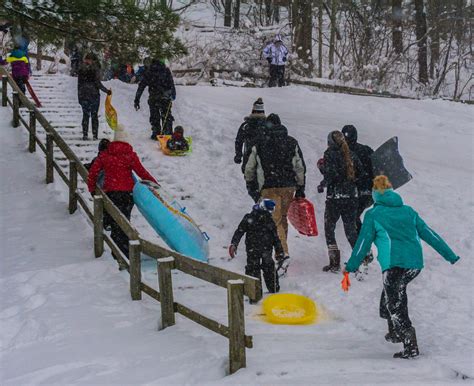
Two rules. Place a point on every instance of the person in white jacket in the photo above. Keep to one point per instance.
(276, 54)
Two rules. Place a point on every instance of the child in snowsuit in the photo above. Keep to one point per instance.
(177, 140)
(261, 237)
(396, 230)
(20, 67)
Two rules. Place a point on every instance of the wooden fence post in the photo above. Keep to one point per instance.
(98, 226)
(16, 109)
(235, 304)
(4, 90)
(49, 158)
(134, 251)
(32, 131)
(166, 291)
(72, 187)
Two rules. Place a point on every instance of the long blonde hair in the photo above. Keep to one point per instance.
(339, 140)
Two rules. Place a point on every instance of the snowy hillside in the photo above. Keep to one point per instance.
(86, 333)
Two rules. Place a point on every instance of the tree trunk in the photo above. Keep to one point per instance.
(39, 57)
(302, 26)
(268, 12)
(420, 18)
(228, 13)
(332, 37)
(320, 40)
(434, 8)
(237, 14)
(397, 36)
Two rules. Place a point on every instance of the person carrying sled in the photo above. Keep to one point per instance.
(260, 239)
(277, 163)
(88, 86)
(118, 162)
(161, 94)
(276, 54)
(396, 230)
(177, 140)
(341, 170)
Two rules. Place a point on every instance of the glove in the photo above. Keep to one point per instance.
(284, 59)
(455, 261)
(137, 105)
(279, 257)
(320, 163)
(109, 92)
(232, 251)
(238, 159)
(320, 188)
(300, 192)
(269, 60)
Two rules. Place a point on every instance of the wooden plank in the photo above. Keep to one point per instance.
(208, 323)
(49, 158)
(134, 252)
(72, 187)
(4, 90)
(166, 291)
(121, 259)
(203, 271)
(235, 304)
(60, 172)
(153, 293)
(32, 133)
(82, 201)
(98, 226)
(16, 109)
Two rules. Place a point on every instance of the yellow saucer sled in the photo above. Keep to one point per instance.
(289, 309)
(163, 140)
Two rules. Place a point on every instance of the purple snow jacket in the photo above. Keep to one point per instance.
(19, 63)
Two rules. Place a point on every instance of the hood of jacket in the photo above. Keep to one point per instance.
(388, 198)
(278, 131)
(119, 148)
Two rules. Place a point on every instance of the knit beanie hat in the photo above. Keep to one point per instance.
(350, 132)
(267, 204)
(120, 134)
(258, 107)
(103, 144)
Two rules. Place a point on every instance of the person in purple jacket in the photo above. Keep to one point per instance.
(20, 67)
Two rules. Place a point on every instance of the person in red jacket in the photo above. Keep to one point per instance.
(118, 162)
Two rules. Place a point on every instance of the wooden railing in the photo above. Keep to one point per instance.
(237, 285)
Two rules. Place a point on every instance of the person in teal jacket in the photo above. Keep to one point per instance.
(397, 231)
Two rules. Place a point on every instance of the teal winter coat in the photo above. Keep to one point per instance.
(396, 230)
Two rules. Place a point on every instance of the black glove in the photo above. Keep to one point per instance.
(136, 105)
(320, 188)
(300, 192)
(284, 59)
(109, 92)
(238, 159)
(269, 60)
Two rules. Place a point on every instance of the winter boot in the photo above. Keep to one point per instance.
(155, 132)
(95, 129)
(391, 336)
(410, 346)
(334, 259)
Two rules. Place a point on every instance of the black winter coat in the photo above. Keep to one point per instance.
(335, 174)
(249, 133)
(276, 161)
(364, 152)
(88, 82)
(159, 81)
(261, 232)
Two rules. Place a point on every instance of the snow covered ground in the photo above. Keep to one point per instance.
(67, 317)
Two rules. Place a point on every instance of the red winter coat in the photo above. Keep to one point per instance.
(117, 162)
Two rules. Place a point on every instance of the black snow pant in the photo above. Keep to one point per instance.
(124, 202)
(345, 208)
(365, 201)
(277, 75)
(90, 110)
(161, 119)
(394, 300)
(21, 83)
(262, 260)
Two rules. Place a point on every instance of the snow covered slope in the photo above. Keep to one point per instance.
(347, 346)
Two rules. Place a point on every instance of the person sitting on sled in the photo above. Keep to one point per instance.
(261, 237)
(177, 140)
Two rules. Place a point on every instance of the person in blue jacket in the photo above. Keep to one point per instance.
(397, 231)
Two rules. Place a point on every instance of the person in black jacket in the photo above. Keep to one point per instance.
(364, 183)
(88, 86)
(277, 164)
(161, 93)
(341, 170)
(249, 132)
(260, 240)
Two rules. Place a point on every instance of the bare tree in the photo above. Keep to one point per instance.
(302, 14)
(228, 13)
(420, 18)
(397, 36)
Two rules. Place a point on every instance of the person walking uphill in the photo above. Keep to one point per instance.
(277, 163)
(161, 93)
(341, 170)
(88, 86)
(118, 162)
(20, 65)
(396, 230)
(260, 240)
(276, 54)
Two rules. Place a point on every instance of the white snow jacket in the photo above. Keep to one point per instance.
(277, 54)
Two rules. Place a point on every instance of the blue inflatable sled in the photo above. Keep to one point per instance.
(170, 220)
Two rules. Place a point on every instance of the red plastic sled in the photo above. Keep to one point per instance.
(302, 216)
(32, 93)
